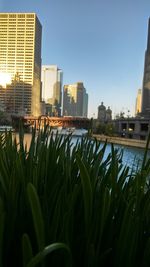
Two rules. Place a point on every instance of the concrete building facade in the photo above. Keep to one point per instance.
(52, 78)
(133, 128)
(75, 100)
(20, 63)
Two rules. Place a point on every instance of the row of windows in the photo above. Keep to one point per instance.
(26, 88)
(17, 15)
(18, 64)
(4, 20)
(31, 20)
(17, 42)
(26, 63)
(4, 51)
(18, 53)
(22, 72)
(13, 59)
(18, 49)
(13, 50)
(13, 32)
(14, 53)
(13, 28)
(25, 25)
(19, 91)
(17, 38)
(26, 39)
(22, 91)
(18, 28)
(17, 22)
(18, 31)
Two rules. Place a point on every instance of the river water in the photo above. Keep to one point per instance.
(131, 156)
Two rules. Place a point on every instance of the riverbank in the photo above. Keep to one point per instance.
(121, 141)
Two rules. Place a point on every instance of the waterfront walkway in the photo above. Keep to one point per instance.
(121, 141)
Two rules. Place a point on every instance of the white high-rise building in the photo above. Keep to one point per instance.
(52, 88)
(75, 100)
(20, 63)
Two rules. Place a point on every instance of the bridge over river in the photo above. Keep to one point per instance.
(39, 122)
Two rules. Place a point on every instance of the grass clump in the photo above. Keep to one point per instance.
(64, 205)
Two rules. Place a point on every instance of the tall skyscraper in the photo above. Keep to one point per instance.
(146, 80)
(75, 100)
(52, 88)
(20, 63)
(138, 102)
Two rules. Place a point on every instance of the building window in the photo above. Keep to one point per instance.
(144, 127)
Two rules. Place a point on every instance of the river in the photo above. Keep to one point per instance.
(131, 156)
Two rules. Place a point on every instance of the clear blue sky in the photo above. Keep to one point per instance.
(99, 42)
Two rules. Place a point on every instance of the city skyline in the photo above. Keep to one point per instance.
(100, 43)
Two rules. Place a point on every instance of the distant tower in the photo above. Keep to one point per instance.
(52, 88)
(20, 63)
(101, 112)
(138, 102)
(108, 114)
(104, 115)
(146, 80)
(75, 100)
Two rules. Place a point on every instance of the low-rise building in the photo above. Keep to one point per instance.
(136, 128)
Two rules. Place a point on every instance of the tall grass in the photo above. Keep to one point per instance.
(71, 206)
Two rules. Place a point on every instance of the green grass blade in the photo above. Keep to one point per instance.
(145, 152)
(37, 215)
(27, 250)
(87, 191)
(2, 225)
(47, 250)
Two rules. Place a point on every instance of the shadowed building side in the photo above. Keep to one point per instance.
(75, 100)
(146, 80)
(52, 78)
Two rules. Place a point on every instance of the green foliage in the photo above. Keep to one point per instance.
(65, 205)
(105, 128)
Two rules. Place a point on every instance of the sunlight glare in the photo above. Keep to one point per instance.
(5, 78)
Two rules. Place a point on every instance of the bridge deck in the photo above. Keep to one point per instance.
(40, 121)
